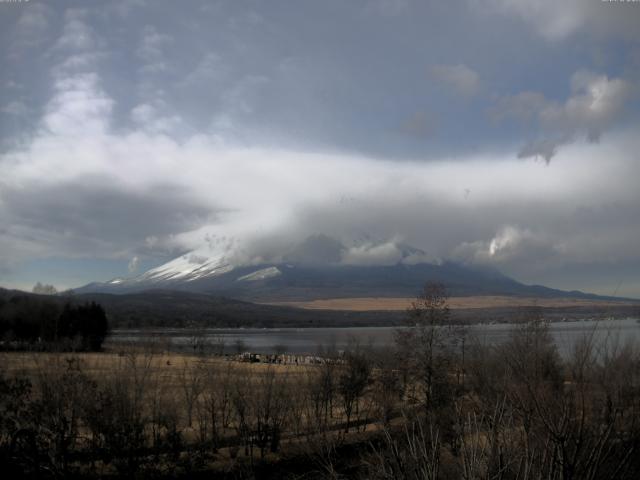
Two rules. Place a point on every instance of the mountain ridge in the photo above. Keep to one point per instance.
(321, 267)
(286, 282)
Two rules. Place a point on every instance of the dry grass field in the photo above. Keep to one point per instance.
(163, 363)
(363, 304)
(236, 411)
(144, 412)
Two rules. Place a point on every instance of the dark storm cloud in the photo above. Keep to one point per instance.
(88, 215)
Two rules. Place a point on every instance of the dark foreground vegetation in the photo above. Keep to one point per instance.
(35, 322)
(438, 406)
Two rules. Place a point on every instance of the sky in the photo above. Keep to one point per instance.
(500, 133)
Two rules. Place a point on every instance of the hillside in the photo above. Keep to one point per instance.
(178, 309)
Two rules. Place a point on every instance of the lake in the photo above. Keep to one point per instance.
(310, 340)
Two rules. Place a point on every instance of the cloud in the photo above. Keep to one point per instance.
(509, 244)
(239, 99)
(34, 18)
(151, 49)
(384, 254)
(210, 69)
(76, 34)
(524, 106)
(251, 129)
(12, 84)
(95, 215)
(31, 28)
(15, 107)
(460, 78)
(391, 252)
(125, 8)
(149, 118)
(553, 20)
(556, 21)
(133, 264)
(596, 103)
(420, 124)
(79, 106)
(545, 148)
(118, 195)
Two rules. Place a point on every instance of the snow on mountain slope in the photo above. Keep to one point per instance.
(320, 267)
(261, 274)
(214, 259)
(188, 267)
(221, 256)
(316, 250)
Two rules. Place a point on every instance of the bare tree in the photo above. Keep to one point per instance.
(352, 383)
(387, 392)
(411, 454)
(271, 407)
(214, 407)
(191, 380)
(424, 347)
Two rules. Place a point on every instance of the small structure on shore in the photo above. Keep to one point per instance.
(283, 359)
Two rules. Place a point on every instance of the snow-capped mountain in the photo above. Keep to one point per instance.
(320, 267)
(187, 268)
(225, 259)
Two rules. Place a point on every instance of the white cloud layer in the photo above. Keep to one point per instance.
(483, 209)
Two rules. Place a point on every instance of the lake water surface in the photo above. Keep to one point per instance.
(311, 340)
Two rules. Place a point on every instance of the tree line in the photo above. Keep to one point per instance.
(42, 323)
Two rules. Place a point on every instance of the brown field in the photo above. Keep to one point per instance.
(139, 412)
(188, 392)
(364, 304)
(168, 366)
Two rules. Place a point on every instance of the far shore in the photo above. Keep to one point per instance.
(364, 304)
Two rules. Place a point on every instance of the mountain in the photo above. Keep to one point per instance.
(321, 267)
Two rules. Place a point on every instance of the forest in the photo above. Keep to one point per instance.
(35, 322)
